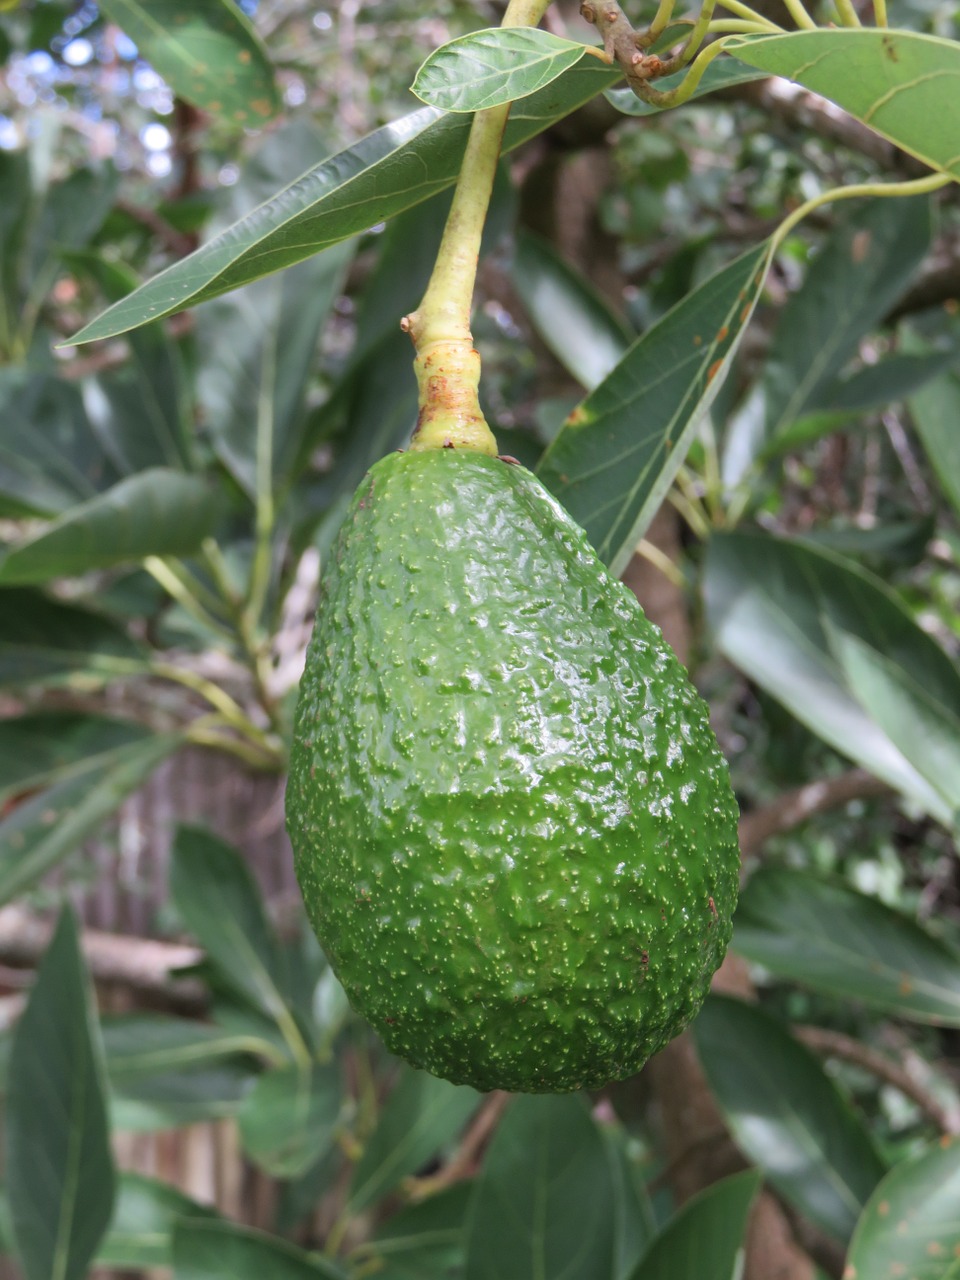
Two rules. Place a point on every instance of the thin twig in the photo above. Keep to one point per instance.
(799, 805)
(464, 1161)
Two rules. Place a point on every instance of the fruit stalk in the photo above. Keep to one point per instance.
(446, 364)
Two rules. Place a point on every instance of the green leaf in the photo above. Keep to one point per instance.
(181, 1096)
(542, 1202)
(41, 831)
(884, 383)
(218, 898)
(207, 51)
(390, 170)
(786, 1115)
(422, 1239)
(219, 1250)
(36, 749)
(618, 452)
(138, 1044)
(490, 67)
(926, 731)
(833, 939)
(57, 1162)
(571, 317)
(159, 512)
(704, 1239)
(935, 410)
(144, 1216)
(910, 1226)
(902, 84)
(289, 1119)
(257, 350)
(43, 641)
(776, 607)
(723, 73)
(422, 1115)
(634, 1223)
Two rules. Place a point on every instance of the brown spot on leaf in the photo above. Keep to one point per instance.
(860, 246)
(714, 370)
(890, 48)
(722, 334)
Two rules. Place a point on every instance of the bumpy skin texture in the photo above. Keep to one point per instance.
(513, 828)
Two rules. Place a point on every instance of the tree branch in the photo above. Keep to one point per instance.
(798, 806)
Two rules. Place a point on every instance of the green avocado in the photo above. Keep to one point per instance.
(513, 827)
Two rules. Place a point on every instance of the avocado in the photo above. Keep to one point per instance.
(513, 827)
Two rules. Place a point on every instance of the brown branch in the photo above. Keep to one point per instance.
(798, 806)
(143, 964)
(834, 1044)
(463, 1163)
(178, 242)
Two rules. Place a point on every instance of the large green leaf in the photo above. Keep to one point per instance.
(777, 608)
(218, 1250)
(935, 410)
(573, 320)
(786, 1115)
(542, 1203)
(44, 641)
(144, 1216)
(832, 938)
(159, 512)
(289, 1119)
(902, 84)
(141, 1044)
(618, 452)
(704, 1240)
(422, 1115)
(207, 51)
(36, 749)
(392, 169)
(41, 831)
(257, 351)
(423, 1239)
(218, 898)
(494, 66)
(58, 1165)
(911, 1226)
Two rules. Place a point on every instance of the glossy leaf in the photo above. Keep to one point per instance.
(207, 51)
(44, 641)
(911, 1226)
(423, 1239)
(392, 169)
(902, 84)
(144, 1216)
(617, 454)
(257, 352)
(138, 1044)
(723, 73)
(786, 1115)
(35, 749)
(924, 729)
(219, 1250)
(58, 1165)
(833, 939)
(215, 893)
(935, 410)
(289, 1119)
(421, 1116)
(573, 320)
(41, 831)
(542, 1202)
(159, 512)
(704, 1239)
(490, 67)
(776, 607)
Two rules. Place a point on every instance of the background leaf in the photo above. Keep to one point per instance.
(490, 67)
(618, 452)
(138, 1044)
(901, 83)
(289, 1119)
(420, 1240)
(786, 1115)
(58, 1164)
(44, 640)
(421, 1115)
(36, 749)
(216, 1250)
(935, 410)
(910, 1226)
(144, 1216)
(704, 1239)
(158, 512)
(542, 1202)
(208, 53)
(829, 937)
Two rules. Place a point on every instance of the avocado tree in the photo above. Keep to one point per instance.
(716, 318)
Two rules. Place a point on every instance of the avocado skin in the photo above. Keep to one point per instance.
(513, 827)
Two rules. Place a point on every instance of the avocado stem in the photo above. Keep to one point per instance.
(446, 364)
